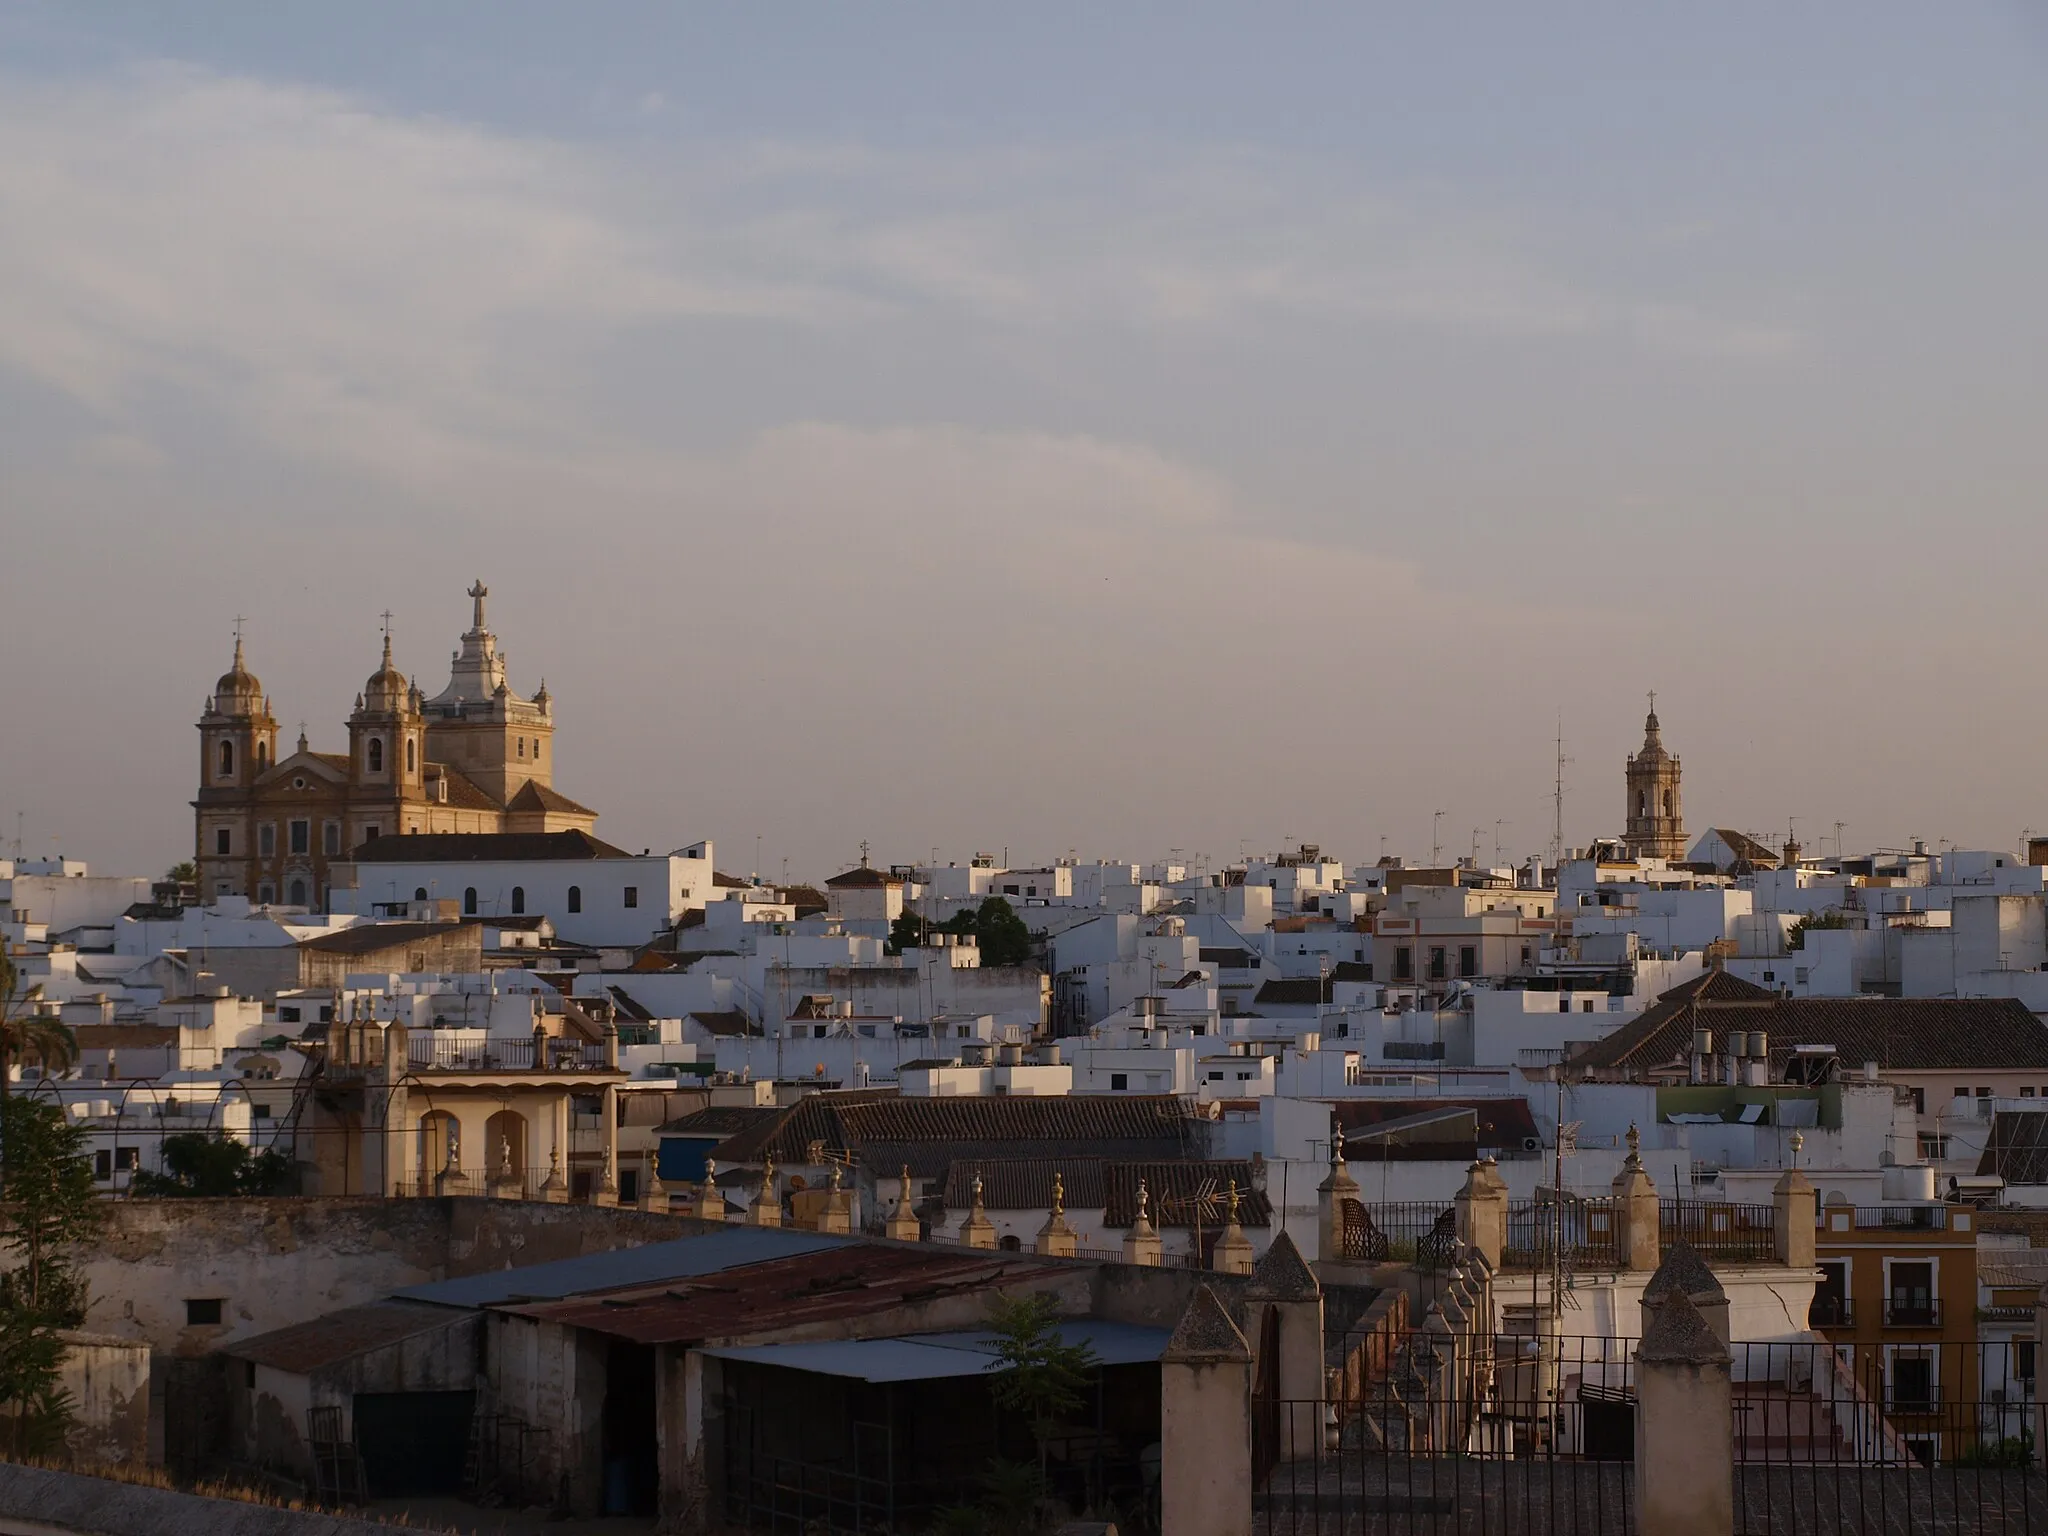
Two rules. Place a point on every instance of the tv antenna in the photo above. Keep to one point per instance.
(1557, 802)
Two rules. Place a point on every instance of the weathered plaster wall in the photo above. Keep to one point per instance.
(108, 1379)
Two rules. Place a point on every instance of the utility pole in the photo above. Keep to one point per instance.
(1436, 841)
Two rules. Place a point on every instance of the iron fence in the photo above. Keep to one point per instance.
(1835, 1439)
(1720, 1230)
(480, 1181)
(1509, 1434)
(1584, 1234)
(1400, 1231)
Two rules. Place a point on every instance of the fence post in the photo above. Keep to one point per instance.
(1056, 1239)
(710, 1203)
(766, 1211)
(977, 1231)
(1141, 1242)
(902, 1223)
(1685, 1426)
(653, 1194)
(1331, 1194)
(2040, 1350)
(1792, 1218)
(1283, 1283)
(837, 1214)
(1205, 1424)
(1233, 1253)
(1483, 1210)
(1635, 1209)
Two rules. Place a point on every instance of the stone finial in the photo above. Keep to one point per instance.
(1059, 1195)
(1205, 1335)
(1144, 1221)
(1679, 1335)
(1230, 1203)
(1683, 1273)
(1798, 1146)
(1635, 1143)
(1282, 1274)
(835, 1178)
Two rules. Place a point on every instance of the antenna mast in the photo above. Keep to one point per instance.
(1557, 802)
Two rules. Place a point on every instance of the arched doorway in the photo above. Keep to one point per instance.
(505, 1145)
(440, 1144)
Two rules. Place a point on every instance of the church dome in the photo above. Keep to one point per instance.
(238, 692)
(387, 690)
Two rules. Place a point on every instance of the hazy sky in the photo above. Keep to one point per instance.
(1115, 428)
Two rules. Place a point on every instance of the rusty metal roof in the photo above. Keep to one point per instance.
(840, 1283)
(680, 1258)
(322, 1341)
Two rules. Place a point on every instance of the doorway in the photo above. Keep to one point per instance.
(632, 1467)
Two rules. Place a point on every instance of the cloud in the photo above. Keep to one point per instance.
(415, 296)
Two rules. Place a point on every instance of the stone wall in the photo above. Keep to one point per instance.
(108, 1379)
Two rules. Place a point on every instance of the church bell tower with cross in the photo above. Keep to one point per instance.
(1656, 819)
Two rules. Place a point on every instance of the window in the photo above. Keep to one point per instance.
(301, 836)
(127, 1159)
(522, 746)
(1468, 960)
(227, 759)
(412, 755)
(2023, 1359)
(298, 893)
(202, 1312)
(1404, 963)
(1438, 966)
(374, 755)
(1912, 1381)
(632, 896)
(103, 1164)
(262, 756)
(1119, 1081)
(575, 898)
(419, 893)
(1962, 1093)
(1564, 1005)
(2026, 1093)
(1667, 803)
(536, 749)
(266, 839)
(266, 893)
(1919, 1101)
(1830, 1307)
(223, 842)
(469, 902)
(1010, 890)
(518, 900)
(1586, 1005)
(1983, 1093)
(330, 838)
(1526, 956)
(370, 833)
(1909, 1290)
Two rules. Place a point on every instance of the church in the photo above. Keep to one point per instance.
(476, 757)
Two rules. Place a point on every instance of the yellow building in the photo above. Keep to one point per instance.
(476, 757)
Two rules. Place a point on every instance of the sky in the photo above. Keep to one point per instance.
(1094, 428)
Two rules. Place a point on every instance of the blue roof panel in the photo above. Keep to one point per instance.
(650, 1264)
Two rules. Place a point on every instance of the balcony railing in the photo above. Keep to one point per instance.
(1902, 1218)
(430, 1054)
(1718, 1230)
(1912, 1314)
(1925, 1399)
(1584, 1234)
(1831, 1312)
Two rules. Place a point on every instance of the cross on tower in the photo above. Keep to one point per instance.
(386, 617)
(863, 853)
(1653, 701)
(239, 622)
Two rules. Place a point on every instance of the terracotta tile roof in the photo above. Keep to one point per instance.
(863, 878)
(534, 796)
(847, 1280)
(463, 792)
(878, 1126)
(1927, 1034)
(729, 1021)
(805, 898)
(481, 847)
(723, 881)
(1302, 992)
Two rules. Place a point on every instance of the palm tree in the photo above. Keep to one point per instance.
(26, 1032)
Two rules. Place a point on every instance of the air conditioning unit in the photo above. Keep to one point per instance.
(1998, 1397)
(1532, 1143)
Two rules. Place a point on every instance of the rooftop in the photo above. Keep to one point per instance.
(485, 847)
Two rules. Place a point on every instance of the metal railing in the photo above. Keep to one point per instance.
(1831, 1311)
(1400, 1231)
(1590, 1230)
(1902, 1218)
(481, 1181)
(1912, 1314)
(1718, 1230)
(490, 1054)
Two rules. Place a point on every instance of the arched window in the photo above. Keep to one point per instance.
(518, 900)
(227, 759)
(412, 758)
(575, 898)
(1667, 803)
(262, 756)
(375, 754)
(419, 893)
(1643, 803)
(469, 902)
(298, 895)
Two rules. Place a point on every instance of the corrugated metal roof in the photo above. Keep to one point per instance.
(933, 1356)
(852, 1280)
(323, 1341)
(650, 1264)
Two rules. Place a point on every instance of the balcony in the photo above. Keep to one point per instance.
(1901, 1218)
(1925, 1398)
(478, 1054)
(1912, 1314)
(1831, 1312)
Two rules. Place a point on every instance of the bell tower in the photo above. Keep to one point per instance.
(237, 746)
(1656, 820)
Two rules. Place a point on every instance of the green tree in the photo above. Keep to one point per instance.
(1038, 1375)
(50, 1207)
(1000, 933)
(202, 1166)
(1829, 917)
(26, 1032)
(185, 873)
(906, 932)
